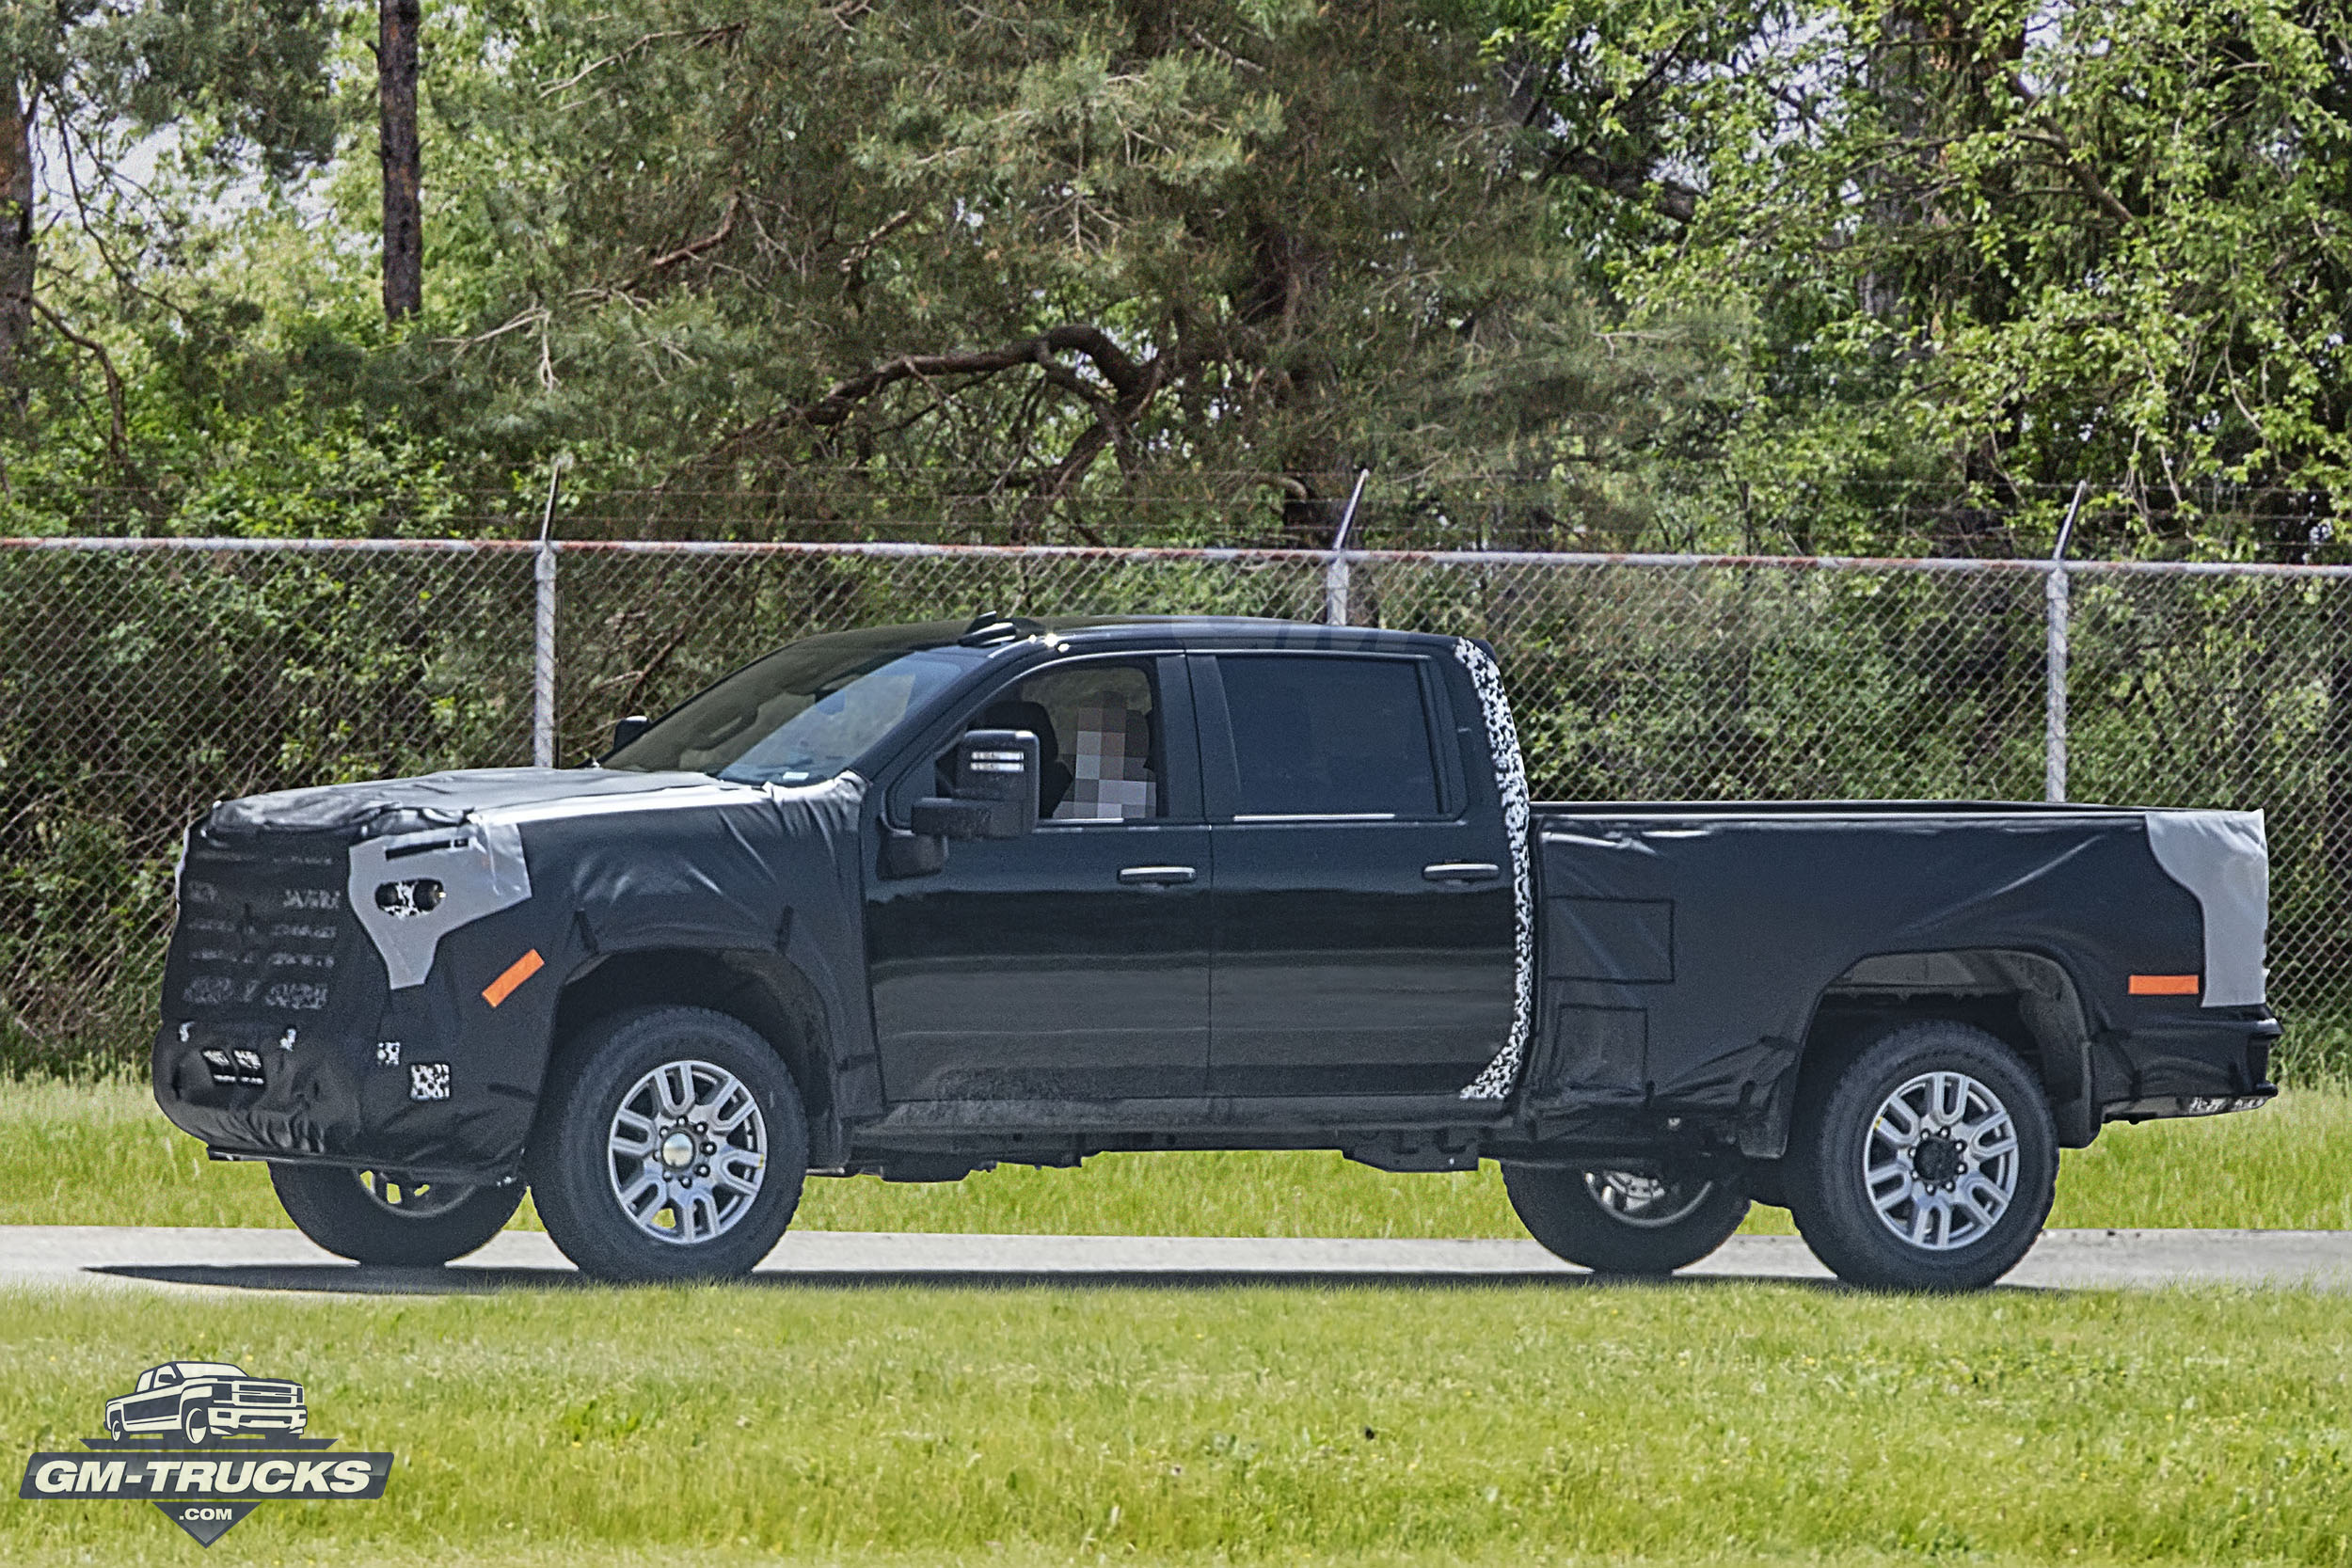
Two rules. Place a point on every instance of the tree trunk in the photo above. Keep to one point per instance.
(396, 107)
(16, 235)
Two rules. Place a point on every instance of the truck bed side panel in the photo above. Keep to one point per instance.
(1684, 956)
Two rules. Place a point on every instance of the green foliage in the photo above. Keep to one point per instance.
(1997, 245)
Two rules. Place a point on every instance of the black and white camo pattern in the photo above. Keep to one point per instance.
(1496, 1079)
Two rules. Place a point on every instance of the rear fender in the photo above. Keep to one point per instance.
(2028, 1000)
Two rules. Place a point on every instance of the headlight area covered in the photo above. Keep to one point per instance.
(368, 975)
(283, 1032)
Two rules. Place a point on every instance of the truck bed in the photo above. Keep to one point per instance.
(1690, 949)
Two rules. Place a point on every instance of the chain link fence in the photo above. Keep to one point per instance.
(144, 679)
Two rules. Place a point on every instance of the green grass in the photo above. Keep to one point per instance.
(1713, 1422)
(101, 1154)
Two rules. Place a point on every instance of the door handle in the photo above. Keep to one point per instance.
(1461, 871)
(1136, 876)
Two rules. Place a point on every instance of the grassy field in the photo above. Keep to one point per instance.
(1729, 1423)
(101, 1154)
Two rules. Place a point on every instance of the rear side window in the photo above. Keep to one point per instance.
(1324, 736)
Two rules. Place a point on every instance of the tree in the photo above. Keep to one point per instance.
(240, 81)
(1048, 253)
(16, 231)
(397, 147)
(1995, 247)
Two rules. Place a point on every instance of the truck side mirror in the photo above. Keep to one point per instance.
(997, 773)
(630, 729)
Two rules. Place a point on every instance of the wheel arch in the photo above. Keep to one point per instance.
(2028, 1000)
(757, 988)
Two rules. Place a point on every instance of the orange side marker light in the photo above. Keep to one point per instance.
(2149, 985)
(531, 963)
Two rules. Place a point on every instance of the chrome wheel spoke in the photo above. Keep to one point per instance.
(675, 1085)
(1994, 1142)
(634, 1133)
(1897, 1123)
(1984, 1200)
(739, 1170)
(642, 1197)
(731, 1109)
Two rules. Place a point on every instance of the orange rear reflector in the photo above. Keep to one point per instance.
(531, 963)
(2142, 985)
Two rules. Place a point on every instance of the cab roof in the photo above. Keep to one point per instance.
(1230, 631)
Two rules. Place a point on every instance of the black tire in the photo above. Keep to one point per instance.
(1831, 1199)
(1584, 1216)
(577, 1176)
(196, 1423)
(372, 1217)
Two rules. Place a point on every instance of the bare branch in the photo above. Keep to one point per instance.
(854, 261)
(699, 35)
(711, 240)
(2080, 172)
(1134, 385)
(119, 434)
(536, 314)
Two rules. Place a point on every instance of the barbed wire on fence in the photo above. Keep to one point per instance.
(144, 679)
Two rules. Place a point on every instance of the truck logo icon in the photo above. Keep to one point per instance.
(207, 1443)
(204, 1400)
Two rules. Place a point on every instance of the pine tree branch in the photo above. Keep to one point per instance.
(711, 240)
(119, 434)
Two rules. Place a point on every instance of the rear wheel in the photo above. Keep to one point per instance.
(1623, 1222)
(378, 1217)
(1929, 1164)
(676, 1149)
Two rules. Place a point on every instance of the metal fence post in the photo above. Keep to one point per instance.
(543, 632)
(2057, 610)
(1336, 576)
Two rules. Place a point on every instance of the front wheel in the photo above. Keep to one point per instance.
(373, 1216)
(1929, 1164)
(196, 1423)
(675, 1151)
(1622, 1222)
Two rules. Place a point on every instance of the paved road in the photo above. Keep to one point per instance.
(155, 1257)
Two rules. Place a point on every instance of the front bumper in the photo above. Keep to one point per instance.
(283, 1040)
(231, 1418)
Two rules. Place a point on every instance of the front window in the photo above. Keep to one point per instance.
(803, 713)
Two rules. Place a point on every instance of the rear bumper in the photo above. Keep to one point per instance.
(2195, 1067)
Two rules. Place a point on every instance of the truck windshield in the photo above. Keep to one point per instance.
(803, 713)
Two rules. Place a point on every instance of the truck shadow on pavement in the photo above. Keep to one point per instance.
(360, 1279)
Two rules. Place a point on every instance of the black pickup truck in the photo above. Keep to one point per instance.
(915, 901)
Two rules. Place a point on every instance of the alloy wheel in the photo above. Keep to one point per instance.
(1940, 1163)
(686, 1152)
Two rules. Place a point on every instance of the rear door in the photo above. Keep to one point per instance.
(1363, 911)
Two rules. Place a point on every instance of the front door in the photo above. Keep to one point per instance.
(1364, 920)
(1072, 963)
